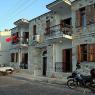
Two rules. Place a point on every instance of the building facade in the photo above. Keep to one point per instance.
(4, 48)
(50, 41)
(83, 22)
(58, 40)
(19, 44)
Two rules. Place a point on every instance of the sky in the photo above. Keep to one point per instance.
(12, 10)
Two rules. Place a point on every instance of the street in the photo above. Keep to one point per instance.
(10, 85)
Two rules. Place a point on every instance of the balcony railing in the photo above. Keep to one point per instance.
(24, 40)
(61, 67)
(58, 29)
(36, 39)
(20, 41)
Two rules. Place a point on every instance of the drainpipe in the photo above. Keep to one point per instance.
(54, 57)
(20, 58)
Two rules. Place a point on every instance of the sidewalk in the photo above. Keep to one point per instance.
(29, 77)
(40, 79)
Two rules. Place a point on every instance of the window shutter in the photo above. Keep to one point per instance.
(78, 19)
(89, 49)
(87, 10)
(78, 53)
(94, 52)
(91, 53)
(92, 12)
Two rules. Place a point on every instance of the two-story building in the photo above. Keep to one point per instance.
(19, 44)
(50, 41)
(83, 22)
(58, 39)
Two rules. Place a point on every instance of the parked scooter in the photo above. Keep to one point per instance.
(77, 79)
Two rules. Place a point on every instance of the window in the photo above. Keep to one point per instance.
(86, 52)
(48, 26)
(81, 17)
(12, 57)
(34, 29)
(85, 16)
(25, 37)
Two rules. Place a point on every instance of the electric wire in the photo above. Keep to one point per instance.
(20, 10)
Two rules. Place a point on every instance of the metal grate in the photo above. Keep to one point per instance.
(58, 66)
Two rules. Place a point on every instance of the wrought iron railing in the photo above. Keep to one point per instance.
(66, 29)
(20, 40)
(59, 67)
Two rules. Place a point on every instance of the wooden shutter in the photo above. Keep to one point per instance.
(94, 52)
(92, 13)
(78, 53)
(48, 26)
(87, 10)
(78, 18)
(91, 54)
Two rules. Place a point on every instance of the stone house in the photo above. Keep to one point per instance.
(19, 44)
(83, 22)
(50, 41)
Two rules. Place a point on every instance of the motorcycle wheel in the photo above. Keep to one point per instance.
(71, 83)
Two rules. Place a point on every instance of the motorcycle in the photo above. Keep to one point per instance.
(77, 79)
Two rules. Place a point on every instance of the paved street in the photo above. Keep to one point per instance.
(15, 86)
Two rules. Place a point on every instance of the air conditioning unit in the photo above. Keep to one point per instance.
(38, 38)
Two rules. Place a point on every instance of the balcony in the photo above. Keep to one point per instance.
(58, 31)
(20, 42)
(24, 41)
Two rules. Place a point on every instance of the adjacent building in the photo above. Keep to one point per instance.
(83, 22)
(4, 48)
(19, 44)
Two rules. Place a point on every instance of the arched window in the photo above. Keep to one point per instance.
(44, 53)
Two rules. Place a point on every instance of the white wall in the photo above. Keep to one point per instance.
(4, 49)
(59, 47)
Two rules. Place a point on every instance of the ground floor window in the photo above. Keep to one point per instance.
(14, 57)
(86, 52)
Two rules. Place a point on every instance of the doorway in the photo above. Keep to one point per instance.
(24, 62)
(44, 63)
(44, 66)
(67, 60)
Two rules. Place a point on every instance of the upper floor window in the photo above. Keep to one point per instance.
(47, 26)
(34, 29)
(80, 17)
(85, 16)
(48, 23)
(15, 38)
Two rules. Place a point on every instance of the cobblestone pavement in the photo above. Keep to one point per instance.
(10, 85)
